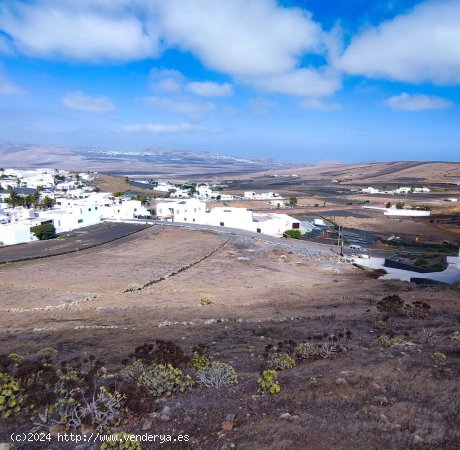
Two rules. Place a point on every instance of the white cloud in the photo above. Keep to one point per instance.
(166, 80)
(240, 37)
(416, 102)
(7, 87)
(302, 82)
(320, 105)
(82, 102)
(210, 89)
(53, 29)
(163, 128)
(416, 47)
(193, 110)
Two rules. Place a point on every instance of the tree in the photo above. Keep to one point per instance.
(29, 201)
(47, 203)
(14, 199)
(400, 205)
(44, 232)
(292, 200)
(388, 205)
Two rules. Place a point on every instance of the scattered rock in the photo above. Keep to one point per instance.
(340, 381)
(230, 417)
(147, 425)
(417, 439)
(380, 400)
(227, 425)
(166, 411)
(5, 446)
(285, 416)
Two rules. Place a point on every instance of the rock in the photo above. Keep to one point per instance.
(380, 400)
(417, 439)
(166, 411)
(5, 446)
(230, 417)
(285, 416)
(376, 386)
(295, 418)
(227, 425)
(345, 373)
(340, 381)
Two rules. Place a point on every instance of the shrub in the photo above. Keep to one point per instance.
(133, 372)
(11, 396)
(381, 325)
(267, 383)
(439, 357)
(218, 375)
(280, 361)
(48, 353)
(104, 409)
(200, 362)
(305, 350)
(44, 232)
(16, 358)
(162, 352)
(206, 299)
(391, 304)
(328, 350)
(120, 441)
(418, 309)
(293, 234)
(385, 341)
(162, 379)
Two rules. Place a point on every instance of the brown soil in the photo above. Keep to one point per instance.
(393, 397)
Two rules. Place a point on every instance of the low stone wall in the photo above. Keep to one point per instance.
(403, 266)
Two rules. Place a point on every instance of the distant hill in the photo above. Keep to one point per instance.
(152, 161)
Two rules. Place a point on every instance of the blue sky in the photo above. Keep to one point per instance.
(297, 80)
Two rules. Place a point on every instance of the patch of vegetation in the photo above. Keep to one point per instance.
(293, 234)
(218, 374)
(305, 350)
(206, 299)
(267, 383)
(11, 396)
(391, 304)
(44, 232)
(280, 361)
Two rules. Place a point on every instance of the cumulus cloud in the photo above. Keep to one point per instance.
(302, 82)
(240, 38)
(320, 105)
(416, 102)
(79, 101)
(53, 29)
(210, 89)
(191, 109)
(166, 80)
(420, 46)
(163, 128)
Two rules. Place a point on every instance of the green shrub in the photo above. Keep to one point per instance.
(206, 299)
(280, 361)
(293, 234)
(439, 357)
(162, 379)
(218, 375)
(133, 372)
(305, 350)
(48, 353)
(385, 341)
(267, 383)
(44, 232)
(391, 304)
(11, 396)
(200, 362)
(16, 358)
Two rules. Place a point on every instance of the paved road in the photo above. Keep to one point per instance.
(80, 239)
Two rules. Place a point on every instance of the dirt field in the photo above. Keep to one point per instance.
(366, 397)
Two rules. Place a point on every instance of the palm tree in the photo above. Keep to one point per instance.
(14, 199)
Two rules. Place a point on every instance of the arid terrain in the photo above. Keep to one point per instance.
(238, 296)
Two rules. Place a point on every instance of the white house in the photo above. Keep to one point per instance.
(370, 190)
(261, 195)
(181, 211)
(403, 190)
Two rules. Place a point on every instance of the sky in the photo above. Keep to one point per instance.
(294, 80)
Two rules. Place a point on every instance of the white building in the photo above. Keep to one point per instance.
(370, 190)
(194, 211)
(261, 195)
